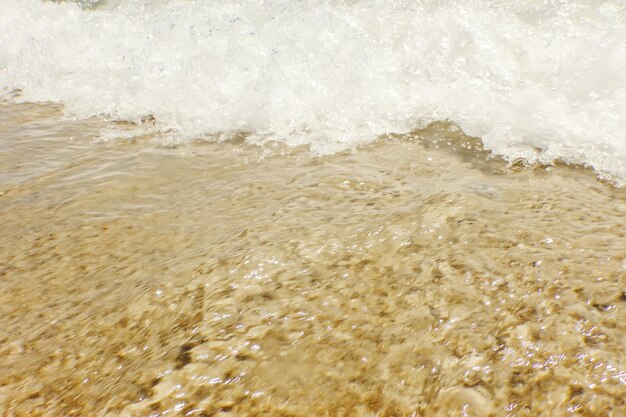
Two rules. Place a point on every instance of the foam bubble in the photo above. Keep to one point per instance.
(535, 80)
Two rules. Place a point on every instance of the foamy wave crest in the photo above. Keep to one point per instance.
(542, 81)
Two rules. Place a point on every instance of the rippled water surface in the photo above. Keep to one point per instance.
(408, 277)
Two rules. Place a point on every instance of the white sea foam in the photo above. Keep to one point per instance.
(540, 80)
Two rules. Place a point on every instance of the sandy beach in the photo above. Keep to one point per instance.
(414, 275)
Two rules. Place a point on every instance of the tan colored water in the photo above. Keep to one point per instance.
(221, 279)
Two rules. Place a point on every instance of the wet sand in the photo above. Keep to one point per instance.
(413, 276)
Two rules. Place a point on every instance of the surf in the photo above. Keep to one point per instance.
(542, 83)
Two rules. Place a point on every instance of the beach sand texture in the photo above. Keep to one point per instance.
(414, 275)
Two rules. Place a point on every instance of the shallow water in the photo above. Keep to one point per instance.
(538, 80)
(412, 276)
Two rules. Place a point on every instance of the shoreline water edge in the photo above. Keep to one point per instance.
(408, 277)
(315, 208)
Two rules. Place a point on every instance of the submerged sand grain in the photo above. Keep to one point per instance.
(206, 279)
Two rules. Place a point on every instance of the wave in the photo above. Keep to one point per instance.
(542, 81)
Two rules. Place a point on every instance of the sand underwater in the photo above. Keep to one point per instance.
(312, 208)
(415, 275)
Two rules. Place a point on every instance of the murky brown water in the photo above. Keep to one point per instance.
(138, 279)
